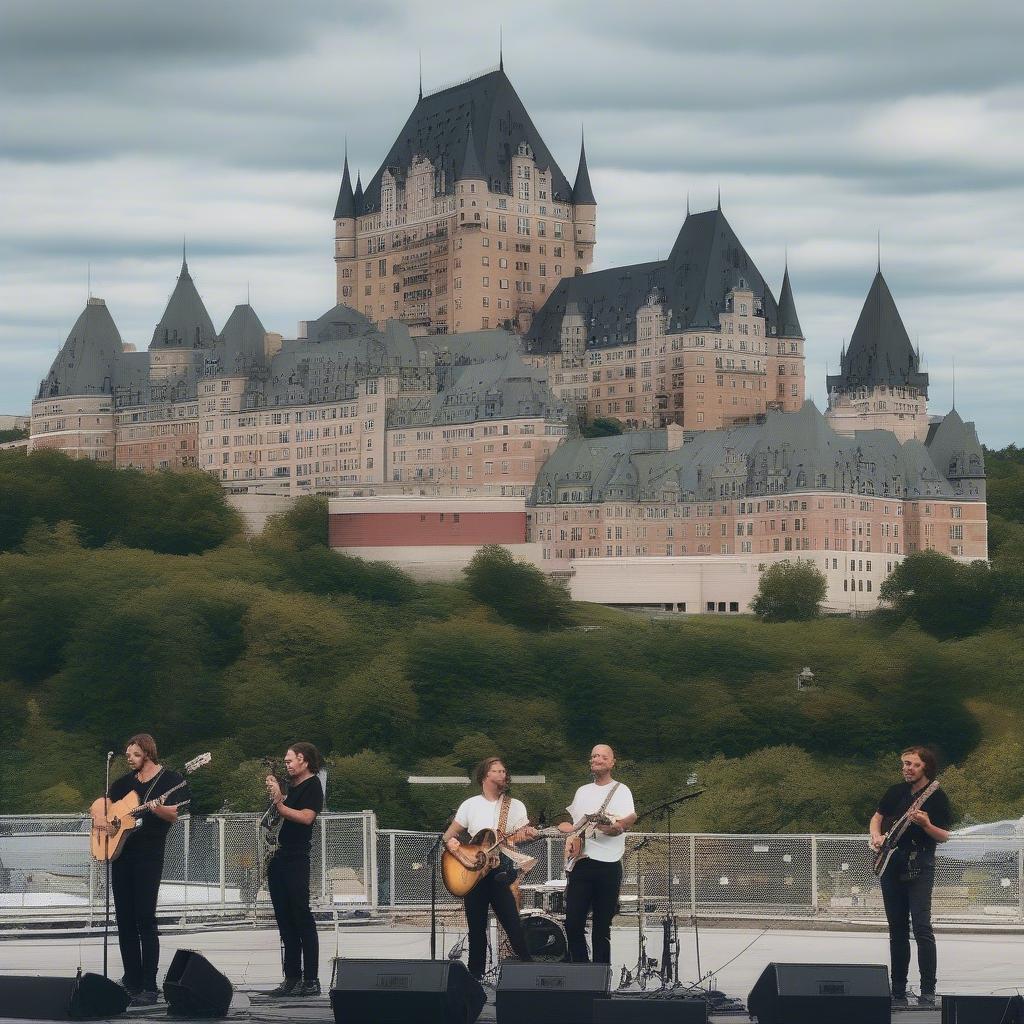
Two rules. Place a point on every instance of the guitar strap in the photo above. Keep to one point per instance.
(608, 798)
(152, 785)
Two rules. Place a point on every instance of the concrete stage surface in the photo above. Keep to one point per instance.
(969, 963)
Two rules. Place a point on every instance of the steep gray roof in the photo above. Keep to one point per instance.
(582, 192)
(706, 262)
(879, 353)
(500, 389)
(339, 322)
(788, 322)
(438, 128)
(955, 449)
(88, 361)
(471, 166)
(346, 205)
(185, 323)
(782, 453)
(242, 340)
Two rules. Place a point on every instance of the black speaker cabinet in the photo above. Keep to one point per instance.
(402, 991)
(811, 993)
(195, 988)
(537, 993)
(86, 997)
(982, 1010)
(649, 1010)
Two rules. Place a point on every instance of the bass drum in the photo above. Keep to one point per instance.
(545, 937)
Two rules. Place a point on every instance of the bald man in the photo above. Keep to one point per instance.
(596, 876)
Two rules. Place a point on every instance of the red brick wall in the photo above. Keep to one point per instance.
(419, 529)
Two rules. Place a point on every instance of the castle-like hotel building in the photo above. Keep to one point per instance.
(439, 402)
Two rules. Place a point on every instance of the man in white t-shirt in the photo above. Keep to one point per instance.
(484, 812)
(596, 876)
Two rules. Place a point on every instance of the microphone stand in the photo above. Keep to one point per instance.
(106, 863)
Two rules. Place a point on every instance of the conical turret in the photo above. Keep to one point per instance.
(185, 323)
(582, 192)
(88, 361)
(788, 323)
(471, 169)
(357, 199)
(346, 206)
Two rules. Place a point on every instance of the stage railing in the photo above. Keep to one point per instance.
(210, 873)
(210, 868)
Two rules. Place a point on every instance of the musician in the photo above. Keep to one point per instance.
(908, 880)
(135, 874)
(288, 871)
(595, 880)
(484, 812)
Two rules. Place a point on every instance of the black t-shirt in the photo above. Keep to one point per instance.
(149, 838)
(893, 806)
(308, 795)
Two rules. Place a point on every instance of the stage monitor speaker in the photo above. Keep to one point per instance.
(650, 1010)
(195, 988)
(982, 1010)
(85, 997)
(550, 993)
(402, 991)
(810, 993)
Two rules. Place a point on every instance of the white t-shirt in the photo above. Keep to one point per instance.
(588, 800)
(478, 813)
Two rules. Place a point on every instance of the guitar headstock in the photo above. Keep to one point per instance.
(199, 761)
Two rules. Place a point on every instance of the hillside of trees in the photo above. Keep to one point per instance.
(134, 603)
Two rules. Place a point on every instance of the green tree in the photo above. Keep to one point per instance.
(520, 593)
(945, 597)
(303, 525)
(604, 426)
(790, 591)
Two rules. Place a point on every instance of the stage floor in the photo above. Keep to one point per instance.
(975, 963)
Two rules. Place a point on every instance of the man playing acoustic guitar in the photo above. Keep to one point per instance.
(493, 809)
(135, 874)
(908, 879)
(596, 860)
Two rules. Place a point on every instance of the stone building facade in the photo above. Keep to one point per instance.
(345, 407)
(468, 223)
(697, 339)
(785, 487)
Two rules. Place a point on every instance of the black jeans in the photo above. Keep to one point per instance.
(492, 891)
(593, 886)
(906, 901)
(135, 884)
(288, 882)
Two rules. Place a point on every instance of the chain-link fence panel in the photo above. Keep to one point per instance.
(45, 862)
(748, 872)
(347, 859)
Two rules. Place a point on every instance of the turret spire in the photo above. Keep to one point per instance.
(421, 76)
(788, 325)
(582, 191)
(345, 207)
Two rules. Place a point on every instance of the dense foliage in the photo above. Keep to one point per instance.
(790, 592)
(603, 426)
(247, 646)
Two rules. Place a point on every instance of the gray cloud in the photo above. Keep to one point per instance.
(124, 126)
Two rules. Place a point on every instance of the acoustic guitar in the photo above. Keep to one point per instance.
(125, 815)
(461, 871)
(896, 830)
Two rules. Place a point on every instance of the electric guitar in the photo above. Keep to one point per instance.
(125, 815)
(892, 837)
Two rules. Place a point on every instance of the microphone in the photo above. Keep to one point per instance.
(110, 756)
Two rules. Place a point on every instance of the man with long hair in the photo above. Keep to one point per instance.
(486, 811)
(288, 871)
(135, 874)
(909, 878)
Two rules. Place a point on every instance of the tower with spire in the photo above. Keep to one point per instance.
(468, 222)
(880, 384)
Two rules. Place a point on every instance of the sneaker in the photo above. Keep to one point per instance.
(927, 999)
(900, 999)
(132, 990)
(145, 998)
(306, 988)
(286, 988)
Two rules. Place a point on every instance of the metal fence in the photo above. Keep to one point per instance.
(210, 872)
(826, 877)
(210, 867)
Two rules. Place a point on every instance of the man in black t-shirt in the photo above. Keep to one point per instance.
(908, 879)
(288, 871)
(136, 873)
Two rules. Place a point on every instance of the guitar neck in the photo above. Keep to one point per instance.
(150, 804)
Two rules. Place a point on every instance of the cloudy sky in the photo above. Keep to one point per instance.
(125, 126)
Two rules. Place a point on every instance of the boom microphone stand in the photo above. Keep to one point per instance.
(106, 863)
